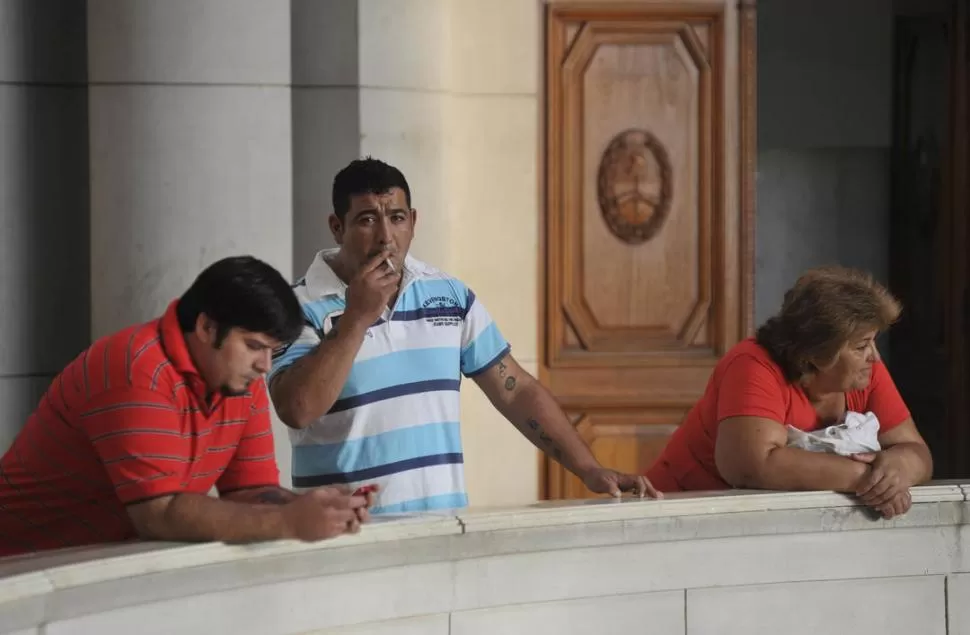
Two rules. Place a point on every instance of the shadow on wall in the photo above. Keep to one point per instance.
(325, 115)
(44, 199)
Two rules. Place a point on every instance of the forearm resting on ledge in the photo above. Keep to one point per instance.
(199, 518)
(750, 453)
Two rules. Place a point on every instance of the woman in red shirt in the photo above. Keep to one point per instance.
(806, 368)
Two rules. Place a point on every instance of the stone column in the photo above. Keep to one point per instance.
(44, 307)
(370, 78)
(190, 146)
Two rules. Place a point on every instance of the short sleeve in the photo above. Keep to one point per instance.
(884, 399)
(749, 387)
(135, 432)
(482, 344)
(254, 462)
(286, 355)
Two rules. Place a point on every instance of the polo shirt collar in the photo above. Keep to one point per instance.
(177, 352)
(321, 280)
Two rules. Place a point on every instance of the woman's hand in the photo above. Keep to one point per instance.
(896, 506)
(886, 480)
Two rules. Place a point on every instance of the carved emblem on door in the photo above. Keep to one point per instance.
(634, 186)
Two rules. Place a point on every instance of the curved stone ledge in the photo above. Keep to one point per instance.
(746, 562)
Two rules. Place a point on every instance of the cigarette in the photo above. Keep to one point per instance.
(387, 261)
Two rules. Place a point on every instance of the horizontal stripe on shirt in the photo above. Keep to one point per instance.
(390, 392)
(429, 313)
(394, 446)
(401, 368)
(380, 416)
(318, 480)
(433, 480)
(442, 501)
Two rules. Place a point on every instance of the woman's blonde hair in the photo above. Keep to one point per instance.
(821, 313)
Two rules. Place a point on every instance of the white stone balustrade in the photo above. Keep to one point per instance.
(737, 562)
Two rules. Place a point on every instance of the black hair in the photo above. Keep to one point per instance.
(242, 292)
(365, 176)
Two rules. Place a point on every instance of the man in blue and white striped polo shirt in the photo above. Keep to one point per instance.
(370, 389)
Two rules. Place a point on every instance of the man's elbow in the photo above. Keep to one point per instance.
(292, 411)
(295, 417)
(152, 520)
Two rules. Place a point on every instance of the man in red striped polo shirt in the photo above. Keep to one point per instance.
(129, 439)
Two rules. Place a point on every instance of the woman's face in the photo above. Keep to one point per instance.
(852, 367)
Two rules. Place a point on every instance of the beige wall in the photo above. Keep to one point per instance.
(481, 222)
(493, 184)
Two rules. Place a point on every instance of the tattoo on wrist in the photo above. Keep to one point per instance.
(510, 383)
(545, 440)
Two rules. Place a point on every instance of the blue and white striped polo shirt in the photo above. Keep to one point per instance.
(395, 422)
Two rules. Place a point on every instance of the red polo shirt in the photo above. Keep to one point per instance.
(747, 382)
(125, 422)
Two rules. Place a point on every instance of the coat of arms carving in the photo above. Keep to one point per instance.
(634, 186)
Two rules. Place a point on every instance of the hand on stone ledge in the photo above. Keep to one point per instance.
(605, 481)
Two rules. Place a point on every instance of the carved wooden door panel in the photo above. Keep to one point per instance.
(647, 215)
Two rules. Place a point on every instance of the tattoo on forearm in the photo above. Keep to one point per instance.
(510, 380)
(547, 443)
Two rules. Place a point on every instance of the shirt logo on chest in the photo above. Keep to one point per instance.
(442, 311)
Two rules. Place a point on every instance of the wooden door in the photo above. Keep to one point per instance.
(930, 268)
(647, 215)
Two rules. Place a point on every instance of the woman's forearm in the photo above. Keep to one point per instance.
(794, 469)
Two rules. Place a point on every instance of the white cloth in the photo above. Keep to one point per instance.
(858, 433)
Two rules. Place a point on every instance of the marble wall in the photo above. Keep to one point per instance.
(737, 563)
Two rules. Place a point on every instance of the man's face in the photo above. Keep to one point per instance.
(239, 359)
(375, 223)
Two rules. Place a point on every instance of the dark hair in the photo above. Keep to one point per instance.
(365, 176)
(824, 310)
(242, 292)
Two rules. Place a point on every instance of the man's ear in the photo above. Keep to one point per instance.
(336, 228)
(205, 329)
(414, 218)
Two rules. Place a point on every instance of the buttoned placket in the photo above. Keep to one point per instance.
(388, 313)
